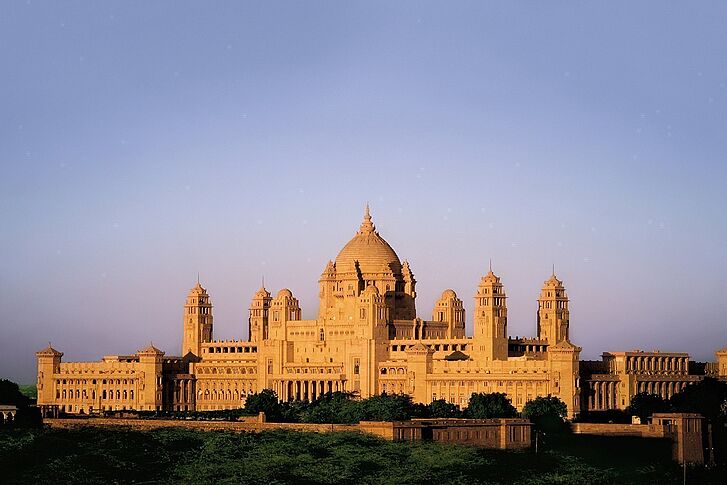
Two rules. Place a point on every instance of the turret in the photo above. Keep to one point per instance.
(553, 316)
(283, 308)
(197, 320)
(450, 309)
(406, 294)
(373, 313)
(258, 322)
(490, 321)
(150, 392)
(49, 362)
(328, 288)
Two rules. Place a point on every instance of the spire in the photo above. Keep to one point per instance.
(367, 226)
(197, 277)
(553, 272)
(490, 265)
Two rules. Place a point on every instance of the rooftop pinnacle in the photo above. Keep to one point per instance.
(367, 227)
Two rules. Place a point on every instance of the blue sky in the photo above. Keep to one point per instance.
(143, 142)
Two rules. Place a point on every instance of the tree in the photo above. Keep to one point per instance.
(493, 405)
(386, 407)
(707, 397)
(547, 413)
(265, 401)
(331, 407)
(440, 408)
(645, 404)
(10, 394)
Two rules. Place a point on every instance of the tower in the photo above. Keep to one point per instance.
(197, 320)
(449, 309)
(258, 320)
(553, 316)
(151, 385)
(490, 322)
(49, 363)
(283, 308)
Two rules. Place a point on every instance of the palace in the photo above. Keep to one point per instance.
(367, 339)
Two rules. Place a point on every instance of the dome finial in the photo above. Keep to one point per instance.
(367, 227)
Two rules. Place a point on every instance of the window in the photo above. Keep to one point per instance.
(356, 366)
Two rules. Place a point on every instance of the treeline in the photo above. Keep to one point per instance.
(343, 408)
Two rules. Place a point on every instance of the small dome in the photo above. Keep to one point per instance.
(448, 293)
(285, 293)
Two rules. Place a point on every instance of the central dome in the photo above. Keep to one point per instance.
(374, 255)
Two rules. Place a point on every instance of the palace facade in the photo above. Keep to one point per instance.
(367, 339)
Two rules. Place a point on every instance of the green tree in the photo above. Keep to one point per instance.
(265, 401)
(493, 405)
(707, 397)
(547, 413)
(645, 404)
(10, 394)
(332, 407)
(385, 407)
(440, 408)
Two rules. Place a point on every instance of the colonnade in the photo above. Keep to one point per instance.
(180, 394)
(665, 389)
(7, 415)
(657, 363)
(604, 396)
(305, 390)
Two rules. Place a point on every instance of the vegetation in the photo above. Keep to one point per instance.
(493, 405)
(10, 394)
(644, 405)
(26, 416)
(343, 408)
(29, 390)
(547, 413)
(707, 397)
(116, 455)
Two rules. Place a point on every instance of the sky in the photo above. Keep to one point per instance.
(142, 143)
